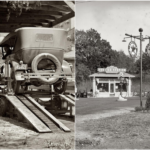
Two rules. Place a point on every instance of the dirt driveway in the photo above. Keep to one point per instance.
(17, 135)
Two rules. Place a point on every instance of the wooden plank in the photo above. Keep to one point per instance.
(70, 4)
(61, 8)
(49, 2)
(22, 21)
(34, 12)
(71, 97)
(48, 114)
(39, 125)
(64, 18)
(39, 114)
(44, 7)
(26, 16)
(67, 99)
(32, 3)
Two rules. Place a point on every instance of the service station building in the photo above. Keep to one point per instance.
(111, 82)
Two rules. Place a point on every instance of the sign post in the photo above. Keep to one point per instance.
(141, 30)
(147, 50)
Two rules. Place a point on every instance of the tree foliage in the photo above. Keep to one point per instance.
(93, 52)
(145, 64)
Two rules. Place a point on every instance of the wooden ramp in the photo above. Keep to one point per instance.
(71, 97)
(34, 120)
(67, 99)
(49, 119)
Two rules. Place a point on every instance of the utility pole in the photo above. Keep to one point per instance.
(141, 39)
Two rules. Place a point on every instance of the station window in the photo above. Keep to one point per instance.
(103, 87)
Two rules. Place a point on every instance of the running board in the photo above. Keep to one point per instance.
(38, 124)
(48, 114)
(67, 99)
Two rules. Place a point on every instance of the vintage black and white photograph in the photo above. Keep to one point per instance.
(37, 74)
(112, 74)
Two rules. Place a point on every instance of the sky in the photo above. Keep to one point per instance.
(112, 19)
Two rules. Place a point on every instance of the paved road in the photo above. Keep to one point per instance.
(86, 106)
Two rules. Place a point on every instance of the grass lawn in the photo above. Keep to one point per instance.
(126, 131)
(87, 106)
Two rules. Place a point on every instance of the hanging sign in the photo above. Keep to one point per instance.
(111, 69)
(147, 49)
(132, 48)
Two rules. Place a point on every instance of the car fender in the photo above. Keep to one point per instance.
(66, 69)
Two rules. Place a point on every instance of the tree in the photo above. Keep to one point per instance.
(145, 64)
(82, 73)
(92, 52)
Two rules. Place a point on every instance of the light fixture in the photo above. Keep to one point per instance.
(124, 40)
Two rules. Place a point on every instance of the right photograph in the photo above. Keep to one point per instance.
(112, 74)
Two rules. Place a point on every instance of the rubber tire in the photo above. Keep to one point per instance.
(3, 106)
(62, 90)
(41, 56)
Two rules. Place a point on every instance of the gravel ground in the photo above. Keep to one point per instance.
(119, 131)
(17, 135)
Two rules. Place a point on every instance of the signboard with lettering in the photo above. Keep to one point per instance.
(111, 69)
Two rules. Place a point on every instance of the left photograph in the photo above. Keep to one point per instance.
(37, 74)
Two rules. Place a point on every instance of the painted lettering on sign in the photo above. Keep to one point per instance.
(101, 69)
(111, 69)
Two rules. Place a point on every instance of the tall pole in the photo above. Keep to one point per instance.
(141, 39)
(141, 30)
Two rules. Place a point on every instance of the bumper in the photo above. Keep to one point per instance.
(46, 75)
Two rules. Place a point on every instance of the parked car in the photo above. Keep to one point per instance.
(35, 58)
